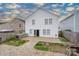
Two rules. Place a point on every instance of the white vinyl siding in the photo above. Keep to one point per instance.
(33, 22)
(39, 16)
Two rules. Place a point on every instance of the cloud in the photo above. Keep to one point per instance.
(11, 12)
(58, 10)
(70, 4)
(70, 8)
(24, 11)
(54, 5)
(15, 11)
(77, 8)
(6, 12)
(39, 4)
(1, 7)
(12, 6)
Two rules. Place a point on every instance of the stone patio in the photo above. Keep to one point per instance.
(27, 48)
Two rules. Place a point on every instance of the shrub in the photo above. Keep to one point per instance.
(61, 34)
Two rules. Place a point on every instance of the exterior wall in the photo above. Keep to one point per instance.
(39, 17)
(67, 24)
(5, 36)
(15, 25)
(77, 22)
(5, 26)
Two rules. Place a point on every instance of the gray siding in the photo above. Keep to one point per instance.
(77, 22)
(67, 24)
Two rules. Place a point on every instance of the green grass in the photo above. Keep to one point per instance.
(14, 42)
(40, 46)
(53, 47)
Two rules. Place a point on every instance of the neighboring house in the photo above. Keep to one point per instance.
(15, 24)
(42, 23)
(70, 22)
(70, 26)
(67, 22)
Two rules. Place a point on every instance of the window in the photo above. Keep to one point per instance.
(46, 21)
(44, 31)
(33, 22)
(50, 21)
(48, 31)
(19, 25)
(30, 31)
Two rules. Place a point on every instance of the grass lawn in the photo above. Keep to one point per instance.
(53, 47)
(14, 42)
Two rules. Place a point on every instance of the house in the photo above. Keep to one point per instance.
(70, 22)
(10, 27)
(42, 23)
(15, 24)
(67, 22)
(70, 27)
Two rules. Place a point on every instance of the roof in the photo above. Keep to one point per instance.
(6, 30)
(51, 12)
(9, 20)
(66, 17)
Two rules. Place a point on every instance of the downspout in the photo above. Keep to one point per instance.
(74, 22)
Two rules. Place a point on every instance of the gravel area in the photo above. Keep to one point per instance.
(27, 48)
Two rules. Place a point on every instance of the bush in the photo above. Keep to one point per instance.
(60, 34)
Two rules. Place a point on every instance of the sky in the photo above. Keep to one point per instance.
(8, 9)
